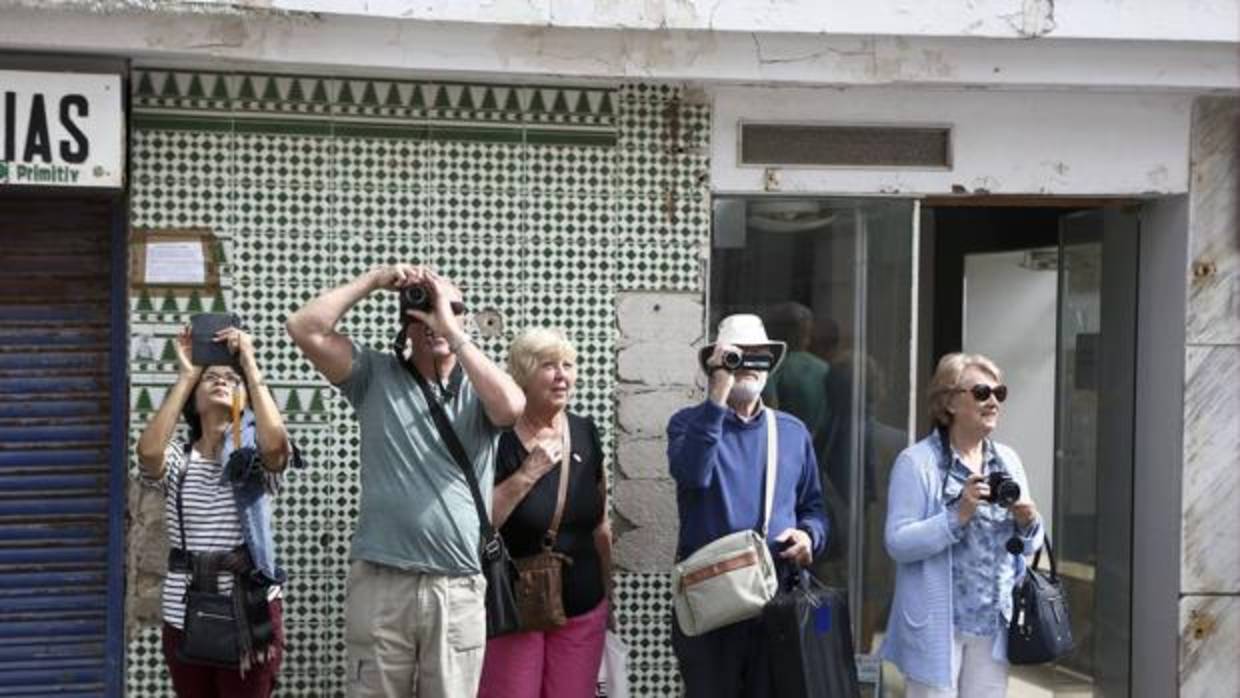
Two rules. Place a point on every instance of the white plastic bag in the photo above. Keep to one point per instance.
(613, 671)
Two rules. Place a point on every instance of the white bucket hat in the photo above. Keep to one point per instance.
(743, 331)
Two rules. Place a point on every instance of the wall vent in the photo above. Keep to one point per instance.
(838, 145)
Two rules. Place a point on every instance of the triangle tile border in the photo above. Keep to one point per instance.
(309, 104)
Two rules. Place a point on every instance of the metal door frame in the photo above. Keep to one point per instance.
(114, 649)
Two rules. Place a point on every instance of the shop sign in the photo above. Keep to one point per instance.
(61, 130)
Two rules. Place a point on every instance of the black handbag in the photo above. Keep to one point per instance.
(1040, 630)
(211, 632)
(211, 636)
(809, 639)
(497, 566)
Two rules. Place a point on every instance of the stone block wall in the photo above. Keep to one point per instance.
(656, 367)
(1210, 553)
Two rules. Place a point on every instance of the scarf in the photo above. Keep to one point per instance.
(255, 633)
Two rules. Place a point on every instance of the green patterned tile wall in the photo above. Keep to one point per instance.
(541, 201)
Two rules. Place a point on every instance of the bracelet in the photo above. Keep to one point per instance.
(464, 339)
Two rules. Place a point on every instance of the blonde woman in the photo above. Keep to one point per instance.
(562, 662)
(958, 542)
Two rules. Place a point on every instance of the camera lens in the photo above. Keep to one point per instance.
(415, 298)
(1004, 491)
(732, 360)
(1009, 493)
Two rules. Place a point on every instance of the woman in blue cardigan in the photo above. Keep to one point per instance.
(952, 535)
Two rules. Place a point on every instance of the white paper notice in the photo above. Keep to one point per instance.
(175, 263)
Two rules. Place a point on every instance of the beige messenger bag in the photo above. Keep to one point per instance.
(731, 578)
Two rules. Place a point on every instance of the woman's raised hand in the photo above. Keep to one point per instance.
(544, 456)
(184, 348)
(1025, 513)
(239, 342)
(975, 491)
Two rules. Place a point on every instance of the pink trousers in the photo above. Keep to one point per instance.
(560, 663)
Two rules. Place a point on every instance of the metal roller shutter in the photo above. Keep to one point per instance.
(55, 414)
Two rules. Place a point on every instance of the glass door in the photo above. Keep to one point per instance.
(1091, 522)
(833, 278)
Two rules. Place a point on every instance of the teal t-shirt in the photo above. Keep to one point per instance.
(416, 511)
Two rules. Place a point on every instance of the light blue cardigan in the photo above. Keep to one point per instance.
(920, 629)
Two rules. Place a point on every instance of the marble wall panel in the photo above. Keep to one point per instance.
(1210, 556)
(1209, 638)
(1210, 550)
(1214, 223)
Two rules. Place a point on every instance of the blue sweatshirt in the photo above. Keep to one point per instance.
(719, 464)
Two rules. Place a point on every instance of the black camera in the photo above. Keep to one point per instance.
(416, 298)
(1004, 491)
(423, 298)
(735, 360)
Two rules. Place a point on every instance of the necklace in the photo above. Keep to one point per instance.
(528, 433)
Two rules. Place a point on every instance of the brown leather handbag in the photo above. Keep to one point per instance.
(540, 577)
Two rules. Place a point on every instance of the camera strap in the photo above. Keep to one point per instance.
(945, 462)
(948, 458)
(455, 447)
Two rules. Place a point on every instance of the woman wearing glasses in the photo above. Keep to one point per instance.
(959, 523)
(218, 487)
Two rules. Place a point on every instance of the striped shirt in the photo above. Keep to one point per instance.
(211, 520)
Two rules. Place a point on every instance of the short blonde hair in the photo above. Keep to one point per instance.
(532, 347)
(947, 379)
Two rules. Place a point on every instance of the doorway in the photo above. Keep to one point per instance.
(868, 293)
(1050, 293)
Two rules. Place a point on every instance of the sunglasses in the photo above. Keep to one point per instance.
(982, 392)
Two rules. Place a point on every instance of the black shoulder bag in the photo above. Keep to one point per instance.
(497, 564)
(1040, 630)
(212, 633)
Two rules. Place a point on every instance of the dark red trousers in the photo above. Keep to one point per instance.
(194, 681)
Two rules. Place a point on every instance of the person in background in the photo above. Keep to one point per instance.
(218, 507)
(717, 455)
(799, 387)
(951, 535)
(562, 662)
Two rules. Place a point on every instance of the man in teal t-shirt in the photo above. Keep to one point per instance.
(415, 614)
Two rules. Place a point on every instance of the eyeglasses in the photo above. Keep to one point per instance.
(982, 392)
(230, 379)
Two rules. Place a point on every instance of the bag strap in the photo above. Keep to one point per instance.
(180, 492)
(562, 494)
(450, 439)
(1050, 553)
(772, 455)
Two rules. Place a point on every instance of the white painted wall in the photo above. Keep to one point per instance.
(1019, 142)
(789, 42)
(1198, 20)
(1010, 316)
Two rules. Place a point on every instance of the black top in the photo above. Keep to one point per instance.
(583, 511)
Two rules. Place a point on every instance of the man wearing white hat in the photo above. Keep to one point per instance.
(717, 451)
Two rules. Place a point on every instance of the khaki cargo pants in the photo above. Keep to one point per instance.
(413, 635)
